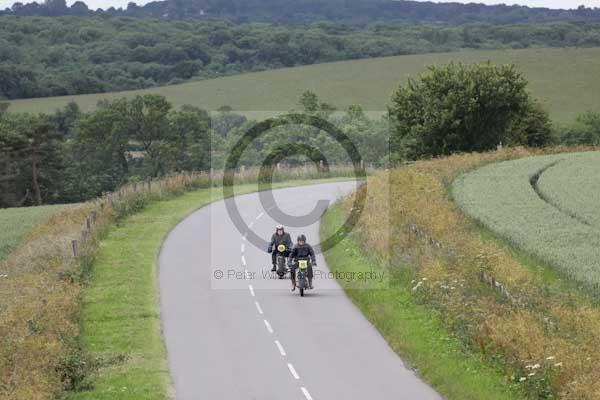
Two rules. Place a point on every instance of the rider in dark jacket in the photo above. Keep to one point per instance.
(302, 251)
(279, 237)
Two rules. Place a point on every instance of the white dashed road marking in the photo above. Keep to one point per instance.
(306, 394)
(260, 311)
(280, 347)
(293, 371)
(269, 327)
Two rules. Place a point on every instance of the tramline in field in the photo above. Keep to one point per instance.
(546, 205)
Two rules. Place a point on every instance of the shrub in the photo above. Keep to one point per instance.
(460, 107)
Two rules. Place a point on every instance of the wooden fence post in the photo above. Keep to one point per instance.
(75, 248)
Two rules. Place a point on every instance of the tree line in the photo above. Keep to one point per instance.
(357, 12)
(55, 56)
(71, 156)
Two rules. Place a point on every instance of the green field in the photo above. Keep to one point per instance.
(17, 222)
(554, 217)
(565, 79)
(574, 187)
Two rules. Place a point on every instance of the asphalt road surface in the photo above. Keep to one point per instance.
(233, 331)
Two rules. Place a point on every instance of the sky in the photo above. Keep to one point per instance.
(94, 4)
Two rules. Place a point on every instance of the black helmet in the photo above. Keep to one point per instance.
(302, 238)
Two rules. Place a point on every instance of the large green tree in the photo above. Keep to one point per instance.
(136, 138)
(462, 107)
(32, 159)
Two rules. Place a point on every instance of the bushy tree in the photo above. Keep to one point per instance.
(462, 107)
(533, 129)
(586, 130)
(134, 138)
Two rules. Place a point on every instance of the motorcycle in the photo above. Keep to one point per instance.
(302, 276)
(280, 261)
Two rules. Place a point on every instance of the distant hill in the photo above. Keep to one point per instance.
(356, 12)
(67, 55)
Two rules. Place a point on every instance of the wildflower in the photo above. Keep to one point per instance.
(417, 286)
(558, 364)
(550, 358)
(521, 379)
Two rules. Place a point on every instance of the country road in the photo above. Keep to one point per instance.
(232, 332)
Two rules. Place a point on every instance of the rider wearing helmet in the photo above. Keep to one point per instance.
(302, 251)
(279, 237)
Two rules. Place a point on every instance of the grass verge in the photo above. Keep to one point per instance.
(121, 326)
(413, 330)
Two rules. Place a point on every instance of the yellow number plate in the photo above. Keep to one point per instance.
(303, 264)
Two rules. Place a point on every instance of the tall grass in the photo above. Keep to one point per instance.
(512, 309)
(17, 222)
(41, 283)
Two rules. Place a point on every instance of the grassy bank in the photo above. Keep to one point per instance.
(416, 332)
(121, 325)
(17, 222)
(42, 282)
(505, 307)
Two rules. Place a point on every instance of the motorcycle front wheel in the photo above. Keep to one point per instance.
(301, 292)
